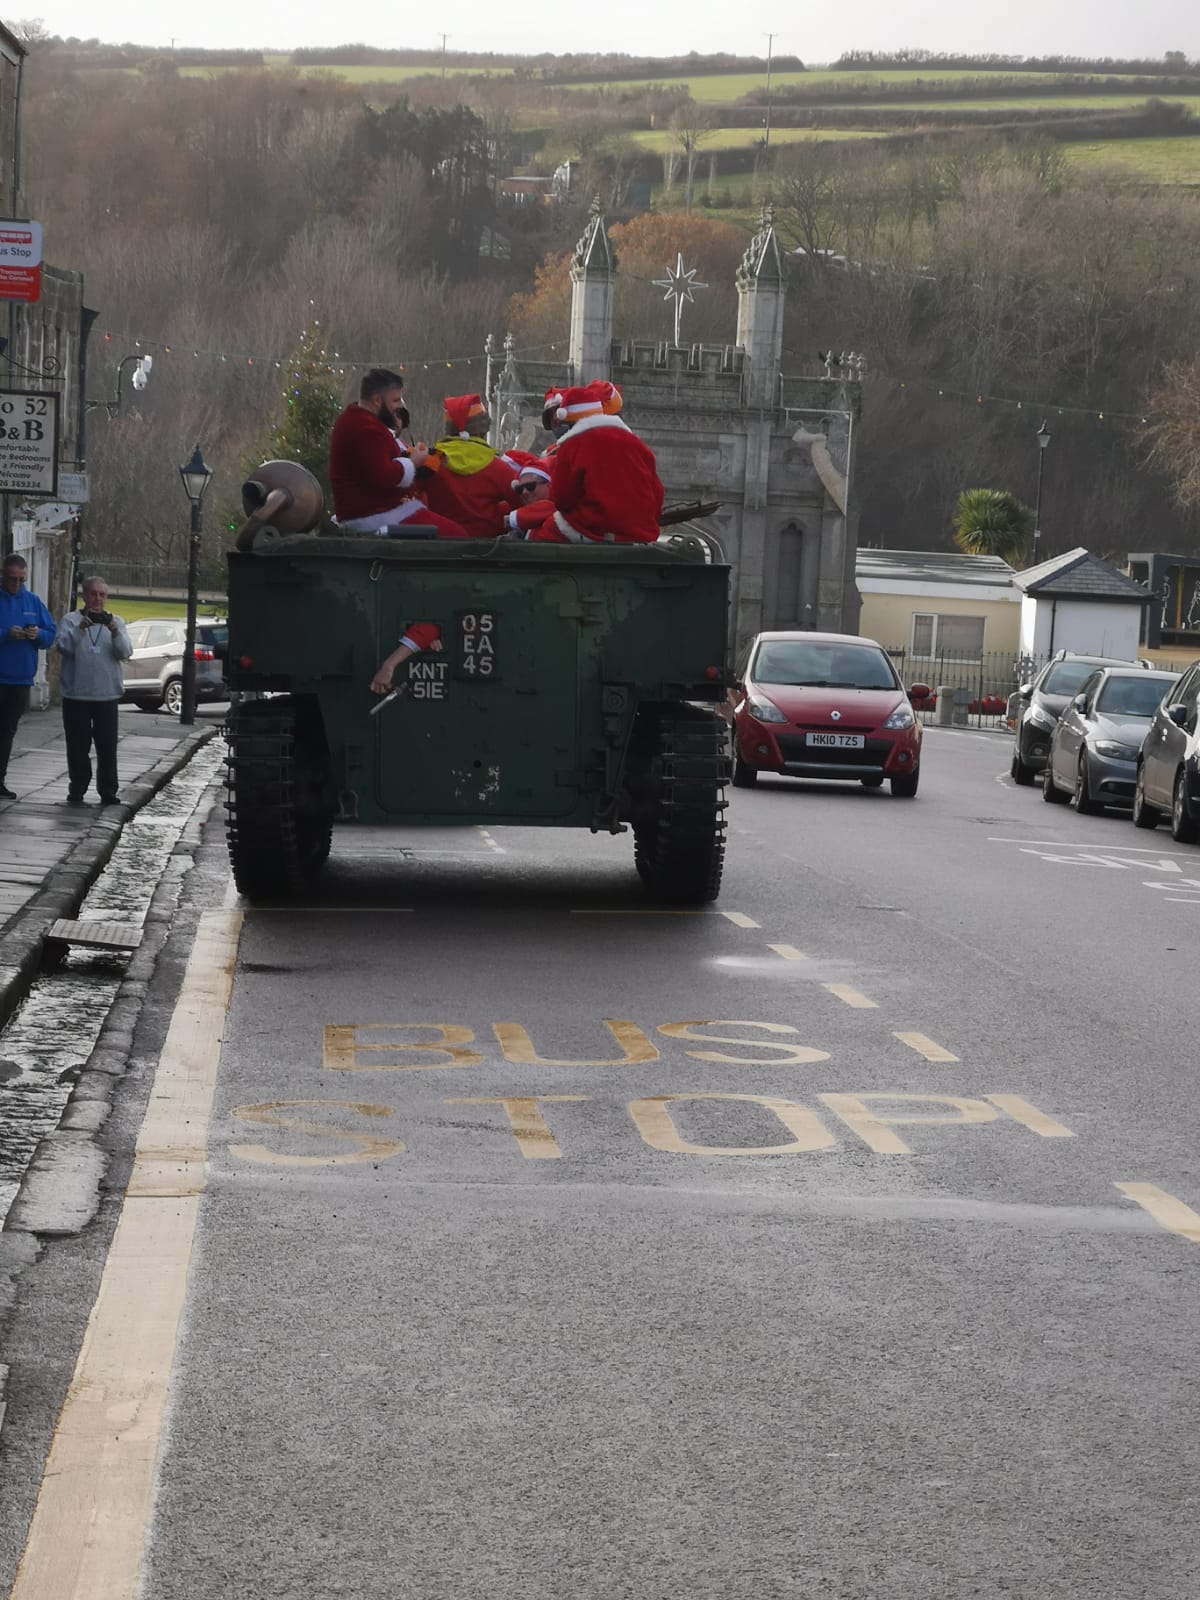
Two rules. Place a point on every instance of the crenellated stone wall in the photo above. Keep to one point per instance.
(726, 424)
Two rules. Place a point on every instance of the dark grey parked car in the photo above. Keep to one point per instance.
(1168, 768)
(153, 676)
(1094, 749)
(1035, 707)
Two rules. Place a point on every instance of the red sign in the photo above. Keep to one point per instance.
(20, 261)
(21, 283)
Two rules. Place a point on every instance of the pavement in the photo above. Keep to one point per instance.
(54, 852)
(467, 1248)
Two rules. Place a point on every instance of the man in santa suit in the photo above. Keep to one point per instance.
(604, 483)
(417, 636)
(465, 478)
(373, 476)
(532, 487)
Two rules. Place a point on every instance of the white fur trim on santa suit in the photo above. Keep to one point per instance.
(586, 424)
(573, 535)
(383, 520)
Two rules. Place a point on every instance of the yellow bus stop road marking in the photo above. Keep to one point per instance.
(925, 1046)
(851, 997)
(1168, 1212)
(740, 919)
(788, 952)
(89, 1526)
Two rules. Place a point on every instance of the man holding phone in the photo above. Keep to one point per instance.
(25, 628)
(93, 644)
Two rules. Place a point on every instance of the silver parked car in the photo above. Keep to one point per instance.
(1168, 769)
(153, 676)
(1094, 748)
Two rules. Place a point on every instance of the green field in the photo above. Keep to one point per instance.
(725, 88)
(134, 607)
(744, 138)
(1155, 160)
(348, 74)
(1048, 104)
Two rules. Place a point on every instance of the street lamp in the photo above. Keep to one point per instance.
(1043, 439)
(195, 477)
(142, 366)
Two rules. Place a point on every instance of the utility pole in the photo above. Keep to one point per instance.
(443, 37)
(771, 38)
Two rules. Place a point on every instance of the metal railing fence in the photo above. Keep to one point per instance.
(984, 682)
(161, 579)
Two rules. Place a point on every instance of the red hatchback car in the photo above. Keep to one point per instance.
(824, 705)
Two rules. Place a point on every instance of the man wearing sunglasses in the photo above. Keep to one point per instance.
(25, 628)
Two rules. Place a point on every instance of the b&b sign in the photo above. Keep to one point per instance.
(28, 442)
(20, 261)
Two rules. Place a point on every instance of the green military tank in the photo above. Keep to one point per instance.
(576, 687)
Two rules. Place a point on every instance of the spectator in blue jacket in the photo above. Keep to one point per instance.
(25, 628)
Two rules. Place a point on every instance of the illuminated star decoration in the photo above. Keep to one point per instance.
(679, 283)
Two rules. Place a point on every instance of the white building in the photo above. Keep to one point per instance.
(1078, 602)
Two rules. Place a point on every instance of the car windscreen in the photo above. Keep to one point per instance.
(822, 664)
(215, 633)
(1132, 697)
(1068, 677)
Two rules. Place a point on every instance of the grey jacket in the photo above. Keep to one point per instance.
(92, 658)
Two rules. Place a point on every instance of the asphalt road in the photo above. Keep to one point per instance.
(550, 1246)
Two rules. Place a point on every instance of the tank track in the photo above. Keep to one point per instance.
(276, 846)
(679, 846)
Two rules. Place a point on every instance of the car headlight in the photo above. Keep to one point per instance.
(902, 717)
(1041, 718)
(764, 711)
(1110, 747)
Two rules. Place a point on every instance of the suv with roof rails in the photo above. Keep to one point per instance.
(153, 676)
(1034, 709)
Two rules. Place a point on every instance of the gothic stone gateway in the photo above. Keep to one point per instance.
(726, 424)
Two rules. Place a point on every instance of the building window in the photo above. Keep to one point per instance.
(935, 637)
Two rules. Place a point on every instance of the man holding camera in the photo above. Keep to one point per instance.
(25, 628)
(93, 644)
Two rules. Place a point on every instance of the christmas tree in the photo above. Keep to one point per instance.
(312, 400)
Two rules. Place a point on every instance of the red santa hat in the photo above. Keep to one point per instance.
(612, 399)
(533, 471)
(459, 409)
(550, 405)
(592, 400)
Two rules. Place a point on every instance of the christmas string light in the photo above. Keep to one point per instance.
(1042, 407)
(338, 364)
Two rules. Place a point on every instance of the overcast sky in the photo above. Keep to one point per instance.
(661, 27)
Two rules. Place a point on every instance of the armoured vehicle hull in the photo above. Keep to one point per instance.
(575, 687)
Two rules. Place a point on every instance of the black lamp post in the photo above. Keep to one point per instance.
(195, 477)
(1043, 439)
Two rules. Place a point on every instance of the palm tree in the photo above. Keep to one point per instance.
(992, 522)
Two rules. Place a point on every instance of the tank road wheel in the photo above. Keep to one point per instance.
(280, 801)
(679, 767)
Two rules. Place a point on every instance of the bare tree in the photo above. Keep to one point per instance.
(691, 123)
(1175, 434)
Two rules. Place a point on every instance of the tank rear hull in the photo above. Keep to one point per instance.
(527, 714)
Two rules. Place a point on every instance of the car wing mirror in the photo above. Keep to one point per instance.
(1025, 690)
(1080, 702)
(1179, 715)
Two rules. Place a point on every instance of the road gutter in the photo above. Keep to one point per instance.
(66, 885)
